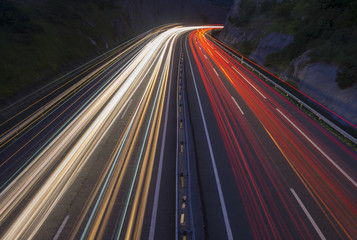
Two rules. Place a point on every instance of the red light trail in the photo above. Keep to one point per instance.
(268, 204)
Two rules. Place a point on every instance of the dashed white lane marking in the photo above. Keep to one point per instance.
(60, 229)
(249, 82)
(319, 149)
(218, 182)
(308, 214)
(222, 57)
(237, 105)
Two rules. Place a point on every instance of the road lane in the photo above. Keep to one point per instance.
(214, 166)
(130, 98)
(15, 156)
(325, 183)
(98, 159)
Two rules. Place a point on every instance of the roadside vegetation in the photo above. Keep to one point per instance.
(307, 111)
(39, 39)
(326, 27)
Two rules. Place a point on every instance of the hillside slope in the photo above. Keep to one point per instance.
(40, 39)
(311, 44)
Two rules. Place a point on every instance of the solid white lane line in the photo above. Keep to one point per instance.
(308, 214)
(237, 105)
(126, 109)
(219, 187)
(215, 72)
(249, 82)
(60, 229)
(319, 149)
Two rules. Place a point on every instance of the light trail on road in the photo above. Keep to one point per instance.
(82, 162)
(57, 165)
(269, 205)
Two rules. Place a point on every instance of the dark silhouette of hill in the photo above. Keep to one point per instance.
(42, 38)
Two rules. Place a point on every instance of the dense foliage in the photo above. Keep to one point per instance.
(13, 19)
(41, 38)
(327, 27)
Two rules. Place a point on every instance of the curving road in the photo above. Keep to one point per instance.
(95, 155)
(278, 175)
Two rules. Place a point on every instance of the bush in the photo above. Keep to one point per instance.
(14, 20)
(267, 6)
(283, 10)
(245, 47)
(246, 11)
(346, 76)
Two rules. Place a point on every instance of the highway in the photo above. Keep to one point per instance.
(96, 156)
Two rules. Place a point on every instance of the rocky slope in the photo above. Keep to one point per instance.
(311, 44)
(42, 38)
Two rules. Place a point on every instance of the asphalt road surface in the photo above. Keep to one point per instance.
(94, 156)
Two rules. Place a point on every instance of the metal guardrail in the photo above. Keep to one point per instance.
(288, 93)
(337, 128)
(184, 218)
